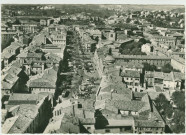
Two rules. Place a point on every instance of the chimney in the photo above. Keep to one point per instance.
(45, 39)
(73, 110)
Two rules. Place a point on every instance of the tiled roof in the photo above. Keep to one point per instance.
(165, 37)
(41, 83)
(37, 65)
(87, 121)
(158, 89)
(178, 76)
(11, 47)
(126, 105)
(141, 57)
(26, 114)
(6, 85)
(8, 124)
(149, 74)
(138, 94)
(109, 58)
(155, 120)
(54, 125)
(23, 97)
(130, 73)
(148, 123)
(158, 75)
(6, 55)
(10, 78)
(167, 77)
(14, 70)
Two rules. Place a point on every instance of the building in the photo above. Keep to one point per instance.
(147, 48)
(7, 37)
(109, 35)
(29, 113)
(132, 79)
(165, 81)
(152, 60)
(178, 63)
(119, 110)
(171, 41)
(63, 124)
(11, 80)
(30, 28)
(133, 16)
(29, 56)
(46, 83)
(121, 36)
(95, 33)
(43, 22)
(82, 109)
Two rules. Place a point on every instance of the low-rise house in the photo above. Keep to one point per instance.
(95, 33)
(43, 22)
(29, 56)
(12, 79)
(82, 109)
(121, 36)
(109, 35)
(178, 63)
(7, 58)
(165, 81)
(132, 114)
(138, 32)
(171, 41)
(63, 124)
(149, 79)
(46, 83)
(131, 79)
(147, 48)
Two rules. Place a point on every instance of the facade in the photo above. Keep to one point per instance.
(166, 81)
(131, 79)
(46, 83)
(178, 63)
(31, 121)
(147, 48)
(153, 60)
(30, 28)
(171, 41)
(43, 22)
(122, 112)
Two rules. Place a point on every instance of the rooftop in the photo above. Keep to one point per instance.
(141, 57)
(26, 114)
(130, 73)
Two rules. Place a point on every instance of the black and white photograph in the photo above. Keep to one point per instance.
(92, 68)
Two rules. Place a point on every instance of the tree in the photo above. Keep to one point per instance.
(149, 67)
(179, 122)
(160, 101)
(168, 110)
(110, 51)
(128, 20)
(167, 68)
(17, 21)
(178, 98)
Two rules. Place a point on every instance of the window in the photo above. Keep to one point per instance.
(111, 35)
(107, 130)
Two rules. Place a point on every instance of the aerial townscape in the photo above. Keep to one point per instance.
(92, 69)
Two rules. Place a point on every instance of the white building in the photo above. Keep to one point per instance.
(147, 48)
